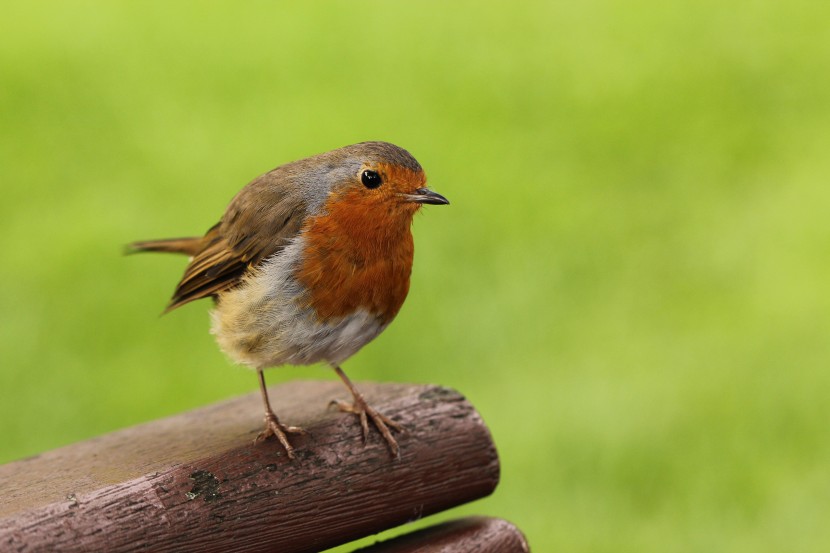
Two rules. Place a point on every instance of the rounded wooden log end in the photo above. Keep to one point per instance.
(197, 481)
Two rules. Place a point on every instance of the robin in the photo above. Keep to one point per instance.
(310, 262)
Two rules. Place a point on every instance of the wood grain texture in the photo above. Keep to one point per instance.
(197, 482)
(466, 535)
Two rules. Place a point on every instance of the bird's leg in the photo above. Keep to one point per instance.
(365, 412)
(273, 426)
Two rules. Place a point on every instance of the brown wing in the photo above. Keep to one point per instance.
(259, 222)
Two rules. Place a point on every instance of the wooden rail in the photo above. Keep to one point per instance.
(478, 534)
(197, 482)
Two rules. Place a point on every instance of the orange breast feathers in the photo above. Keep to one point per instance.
(358, 255)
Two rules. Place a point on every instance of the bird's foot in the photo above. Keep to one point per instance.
(273, 427)
(365, 412)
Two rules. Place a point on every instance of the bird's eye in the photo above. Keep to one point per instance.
(370, 179)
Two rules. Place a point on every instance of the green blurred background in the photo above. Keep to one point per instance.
(630, 283)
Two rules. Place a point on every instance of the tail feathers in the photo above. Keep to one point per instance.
(187, 246)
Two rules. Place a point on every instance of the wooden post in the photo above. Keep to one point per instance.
(197, 481)
(458, 536)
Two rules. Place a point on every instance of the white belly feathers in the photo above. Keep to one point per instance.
(262, 324)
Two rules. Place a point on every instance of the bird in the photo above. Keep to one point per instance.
(309, 263)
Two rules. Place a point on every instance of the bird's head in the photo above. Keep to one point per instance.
(373, 182)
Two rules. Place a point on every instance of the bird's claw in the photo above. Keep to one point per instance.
(365, 412)
(273, 427)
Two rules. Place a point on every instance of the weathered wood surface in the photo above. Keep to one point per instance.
(197, 481)
(466, 535)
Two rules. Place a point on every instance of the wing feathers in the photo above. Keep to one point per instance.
(259, 222)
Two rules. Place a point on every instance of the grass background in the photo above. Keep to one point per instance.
(631, 283)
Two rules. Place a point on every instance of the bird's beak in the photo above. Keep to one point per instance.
(426, 196)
